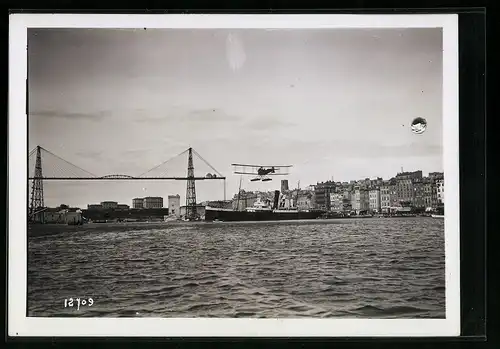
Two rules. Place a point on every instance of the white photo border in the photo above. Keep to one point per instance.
(21, 325)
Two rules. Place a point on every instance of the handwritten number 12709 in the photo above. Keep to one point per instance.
(78, 302)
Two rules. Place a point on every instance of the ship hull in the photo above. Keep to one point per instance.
(241, 216)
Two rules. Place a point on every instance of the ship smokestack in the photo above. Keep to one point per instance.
(276, 199)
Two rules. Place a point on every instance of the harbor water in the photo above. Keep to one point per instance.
(349, 268)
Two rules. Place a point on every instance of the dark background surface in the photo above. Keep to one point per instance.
(472, 165)
(472, 172)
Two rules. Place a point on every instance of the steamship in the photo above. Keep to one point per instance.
(262, 210)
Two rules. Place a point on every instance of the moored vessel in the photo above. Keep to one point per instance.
(260, 211)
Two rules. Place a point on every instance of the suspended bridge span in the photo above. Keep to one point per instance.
(50, 167)
(127, 178)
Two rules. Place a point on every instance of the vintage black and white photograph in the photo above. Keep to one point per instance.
(218, 172)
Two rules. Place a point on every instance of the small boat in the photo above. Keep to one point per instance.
(437, 215)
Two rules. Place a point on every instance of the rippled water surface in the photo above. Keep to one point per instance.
(372, 268)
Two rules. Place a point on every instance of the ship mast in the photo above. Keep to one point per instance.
(297, 196)
(239, 194)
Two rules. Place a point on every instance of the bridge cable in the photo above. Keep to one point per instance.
(32, 152)
(58, 170)
(69, 163)
(206, 162)
(163, 163)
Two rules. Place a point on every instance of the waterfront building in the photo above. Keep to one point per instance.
(174, 205)
(53, 217)
(388, 195)
(284, 185)
(393, 191)
(322, 194)
(62, 216)
(73, 217)
(408, 188)
(385, 197)
(138, 203)
(374, 199)
(305, 201)
(153, 202)
(405, 189)
(430, 194)
(353, 199)
(419, 194)
(361, 200)
(346, 206)
(440, 191)
(109, 204)
(336, 202)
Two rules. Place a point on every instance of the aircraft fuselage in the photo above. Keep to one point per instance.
(265, 171)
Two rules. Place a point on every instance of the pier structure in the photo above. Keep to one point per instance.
(62, 170)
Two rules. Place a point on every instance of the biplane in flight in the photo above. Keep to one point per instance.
(261, 172)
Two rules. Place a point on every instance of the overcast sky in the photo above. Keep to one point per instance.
(333, 103)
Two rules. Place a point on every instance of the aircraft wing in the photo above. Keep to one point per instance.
(263, 166)
(253, 169)
(256, 174)
(245, 169)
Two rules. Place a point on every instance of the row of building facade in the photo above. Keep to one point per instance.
(106, 205)
(406, 189)
(150, 202)
(137, 203)
(147, 202)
